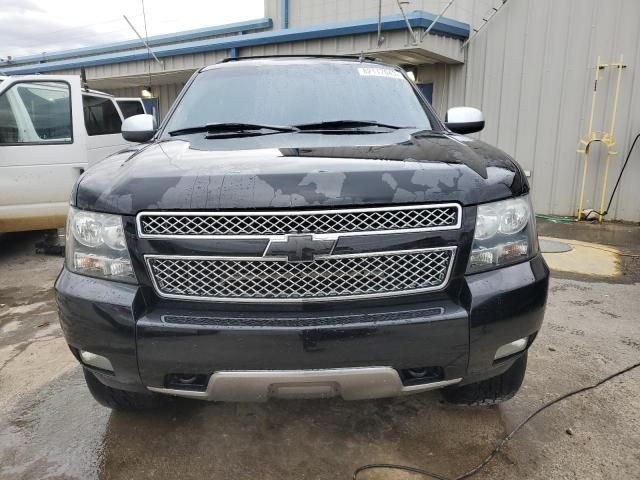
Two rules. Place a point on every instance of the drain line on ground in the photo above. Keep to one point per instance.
(500, 445)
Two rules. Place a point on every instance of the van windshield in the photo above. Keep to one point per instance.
(129, 108)
(300, 93)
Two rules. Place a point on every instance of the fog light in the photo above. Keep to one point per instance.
(511, 348)
(97, 361)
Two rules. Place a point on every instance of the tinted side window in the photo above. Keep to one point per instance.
(129, 108)
(100, 116)
(36, 112)
(8, 126)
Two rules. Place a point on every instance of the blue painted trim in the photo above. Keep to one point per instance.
(285, 13)
(156, 40)
(417, 19)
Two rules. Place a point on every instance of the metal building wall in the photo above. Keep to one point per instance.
(531, 71)
(317, 12)
(438, 46)
(142, 67)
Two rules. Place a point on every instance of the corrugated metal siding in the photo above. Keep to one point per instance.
(531, 71)
(167, 95)
(397, 40)
(317, 12)
(142, 67)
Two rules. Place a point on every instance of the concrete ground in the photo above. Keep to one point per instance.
(50, 427)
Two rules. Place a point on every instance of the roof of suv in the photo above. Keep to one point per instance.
(298, 58)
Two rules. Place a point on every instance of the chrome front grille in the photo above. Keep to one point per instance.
(335, 221)
(328, 277)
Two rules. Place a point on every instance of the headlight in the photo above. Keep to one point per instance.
(505, 233)
(96, 246)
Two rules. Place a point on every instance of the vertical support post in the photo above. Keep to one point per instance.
(615, 101)
(285, 14)
(610, 138)
(588, 139)
(593, 97)
(584, 180)
(604, 186)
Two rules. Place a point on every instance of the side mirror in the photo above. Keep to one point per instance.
(139, 128)
(464, 120)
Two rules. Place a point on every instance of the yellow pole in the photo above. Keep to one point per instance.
(589, 138)
(593, 98)
(604, 186)
(584, 179)
(610, 141)
(615, 101)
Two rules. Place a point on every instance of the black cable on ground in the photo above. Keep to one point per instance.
(619, 178)
(501, 444)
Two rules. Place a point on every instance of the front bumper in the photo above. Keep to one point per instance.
(350, 383)
(359, 351)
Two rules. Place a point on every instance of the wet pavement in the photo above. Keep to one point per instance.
(625, 237)
(50, 427)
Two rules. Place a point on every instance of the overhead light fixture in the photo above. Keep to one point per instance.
(146, 93)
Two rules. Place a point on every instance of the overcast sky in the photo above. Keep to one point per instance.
(36, 26)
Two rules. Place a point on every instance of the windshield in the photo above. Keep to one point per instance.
(300, 93)
(129, 108)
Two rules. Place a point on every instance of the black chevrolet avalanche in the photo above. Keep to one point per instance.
(301, 228)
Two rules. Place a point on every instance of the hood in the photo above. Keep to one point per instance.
(300, 170)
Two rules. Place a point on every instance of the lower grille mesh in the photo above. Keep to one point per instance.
(332, 277)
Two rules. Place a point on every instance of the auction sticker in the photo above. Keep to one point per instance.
(379, 72)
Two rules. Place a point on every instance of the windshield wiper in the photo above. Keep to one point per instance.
(338, 125)
(234, 128)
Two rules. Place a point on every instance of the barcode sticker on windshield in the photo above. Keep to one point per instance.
(379, 72)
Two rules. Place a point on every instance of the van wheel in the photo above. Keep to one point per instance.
(119, 399)
(490, 391)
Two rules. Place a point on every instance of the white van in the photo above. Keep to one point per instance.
(51, 130)
(130, 106)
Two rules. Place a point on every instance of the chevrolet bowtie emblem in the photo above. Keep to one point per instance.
(299, 248)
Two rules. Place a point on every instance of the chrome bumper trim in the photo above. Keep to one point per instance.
(350, 383)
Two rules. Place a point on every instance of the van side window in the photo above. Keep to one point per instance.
(100, 115)
(130, 108)
(36, 112)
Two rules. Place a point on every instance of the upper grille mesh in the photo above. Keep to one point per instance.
(337, 221)
(324, 278)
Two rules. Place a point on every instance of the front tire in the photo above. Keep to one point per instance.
(119, 399)
(491, 391)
